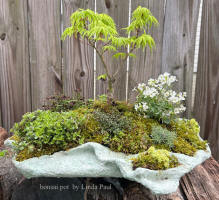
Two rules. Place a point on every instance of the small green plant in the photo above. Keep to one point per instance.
(158, 101)
(46, 128)
(112, 123)
(161, 136)
(101, 28)
(3, 153)
(62, 103)
(156, 159)
(103, 98)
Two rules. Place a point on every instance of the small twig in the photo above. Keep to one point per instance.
(57, 76)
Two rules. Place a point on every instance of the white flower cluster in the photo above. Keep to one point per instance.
(163, 79)
(159, 91)
(141, 106)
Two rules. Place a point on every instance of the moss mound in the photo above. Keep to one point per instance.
(117, 126)
(155, 159)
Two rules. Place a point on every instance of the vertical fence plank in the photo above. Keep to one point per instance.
(118, 10)
(0, 112)
(14, 61)
(206, 106)
(78, 55)
(179, 43)
(45, 49)
(147, 64)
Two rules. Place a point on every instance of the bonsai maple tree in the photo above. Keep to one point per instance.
(95, 27)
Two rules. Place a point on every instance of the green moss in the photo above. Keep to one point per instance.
(122, 131)
(137, 139)
(184, 147)
(188, 141)
(27, 152)
(103, 106)
(124, 107)
(155, 159)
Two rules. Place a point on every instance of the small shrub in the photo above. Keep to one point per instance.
(161, 135)
(155, 159)
(112, 123)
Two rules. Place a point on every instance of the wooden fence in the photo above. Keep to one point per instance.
(35, 63)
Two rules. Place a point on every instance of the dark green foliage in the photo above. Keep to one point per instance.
(161, 135)
(112, 123)
(62, 103)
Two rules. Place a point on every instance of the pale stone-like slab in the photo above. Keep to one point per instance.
(95, 160)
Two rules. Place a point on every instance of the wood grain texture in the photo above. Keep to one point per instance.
(118, 10)
(0, 110)
(179, 43)
(202, 183)
(0, 113)
(206, 106)
(78, 55)
(15, 97)
(147, 63)
(45, 49)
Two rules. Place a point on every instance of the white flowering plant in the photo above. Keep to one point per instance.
(157, 100)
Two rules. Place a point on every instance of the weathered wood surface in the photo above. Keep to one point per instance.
(206, 107)
(9, 178)
(14, 62)
(179, 43)
(78, 56)
(0, 111)
(118, 10)
(203, 182)
(45, 49)
(147, 63)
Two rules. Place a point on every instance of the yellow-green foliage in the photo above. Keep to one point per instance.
(15, 138)
(156, 159)
(95, 27)
(101, 27)
(188, 141)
